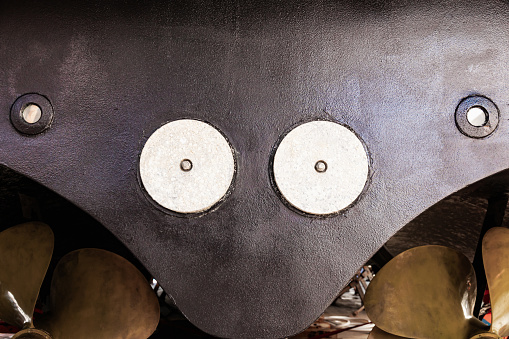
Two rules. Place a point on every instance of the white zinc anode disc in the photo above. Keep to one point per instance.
(187, 166)
(320, 167)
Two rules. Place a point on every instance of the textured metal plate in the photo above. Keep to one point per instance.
(187, 166)
(392, 71)
(320, 167)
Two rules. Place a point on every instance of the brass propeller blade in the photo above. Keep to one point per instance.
(98, 294)
(426, 292)
(478, 331)
(495, 250)
(377, 333)
(25, 254)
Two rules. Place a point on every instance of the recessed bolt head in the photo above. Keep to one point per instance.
(32, 113)
(186, 165)
(321, 166)
(477, 116)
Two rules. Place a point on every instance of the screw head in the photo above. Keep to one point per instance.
(32, 113)
(321, 166)
(186, 165)
(477, 116)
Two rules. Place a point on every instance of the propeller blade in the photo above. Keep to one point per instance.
(377, 333)
(98, 294)
(495, 250)
(25, 254)
(426, 292)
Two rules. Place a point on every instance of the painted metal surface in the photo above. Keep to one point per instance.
(392, 71)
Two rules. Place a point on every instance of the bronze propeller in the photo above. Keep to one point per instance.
(429, 292)
(94, 293)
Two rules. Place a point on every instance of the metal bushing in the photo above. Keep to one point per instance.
(31, 113)
(477, 116)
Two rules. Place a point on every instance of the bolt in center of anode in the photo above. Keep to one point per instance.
(321, 166)
(186, 165)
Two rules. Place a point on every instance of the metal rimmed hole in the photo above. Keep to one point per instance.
(31, 113)
(477, 116)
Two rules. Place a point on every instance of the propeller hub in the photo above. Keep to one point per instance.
(31, 333)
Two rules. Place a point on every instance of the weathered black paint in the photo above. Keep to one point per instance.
(393, 71)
